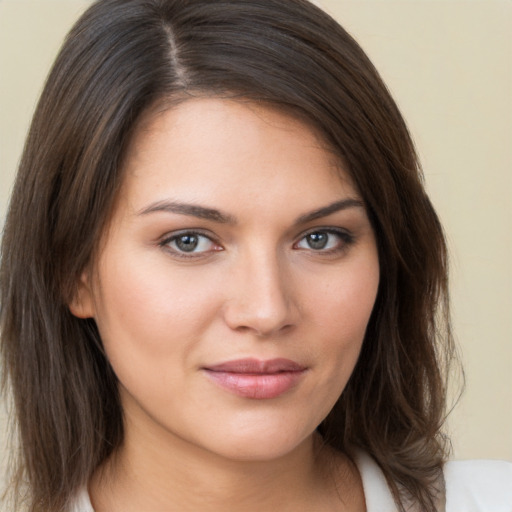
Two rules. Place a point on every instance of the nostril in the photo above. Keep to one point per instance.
(261, 302)
(262, 332)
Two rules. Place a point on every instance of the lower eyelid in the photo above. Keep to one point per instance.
(169, 239)
(345, 238)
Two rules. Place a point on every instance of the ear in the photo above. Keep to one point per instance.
(81, 304)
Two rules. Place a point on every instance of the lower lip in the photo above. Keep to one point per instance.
(257, 386)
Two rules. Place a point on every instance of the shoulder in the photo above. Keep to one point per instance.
(471, 486)
(478, 486)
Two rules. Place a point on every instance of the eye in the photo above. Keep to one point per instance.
(189, 243)
(326, 240)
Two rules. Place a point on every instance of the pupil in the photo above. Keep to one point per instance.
(187, 243)
(317, 240)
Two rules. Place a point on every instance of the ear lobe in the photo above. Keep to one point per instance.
(81, 304)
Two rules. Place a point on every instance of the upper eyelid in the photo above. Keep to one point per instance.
(347, 237)
(325, 229)
(173, 235)
(165, 241)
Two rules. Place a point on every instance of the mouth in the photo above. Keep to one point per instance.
(255, 379)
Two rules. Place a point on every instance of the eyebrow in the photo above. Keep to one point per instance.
(212, 214)
(337, 206)
(193, 210)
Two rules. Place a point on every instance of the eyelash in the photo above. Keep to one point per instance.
(165, 243)
(346, 239)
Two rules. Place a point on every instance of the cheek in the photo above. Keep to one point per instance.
(148, 315)
(341, 312)
(346, 301)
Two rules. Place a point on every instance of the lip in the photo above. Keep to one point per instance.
(256, 379)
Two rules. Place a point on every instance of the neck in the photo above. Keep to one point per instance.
(165, 473)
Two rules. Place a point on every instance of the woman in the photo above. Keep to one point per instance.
(231, 290)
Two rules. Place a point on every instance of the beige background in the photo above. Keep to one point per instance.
(449, 65)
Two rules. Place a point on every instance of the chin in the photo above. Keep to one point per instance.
(259, 444)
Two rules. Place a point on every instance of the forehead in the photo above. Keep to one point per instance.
(201, 112)
(208, 149)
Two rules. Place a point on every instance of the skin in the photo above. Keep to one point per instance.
(256, 285)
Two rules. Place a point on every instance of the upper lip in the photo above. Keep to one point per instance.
(257, 366)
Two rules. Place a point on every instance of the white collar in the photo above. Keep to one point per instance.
(376, 491)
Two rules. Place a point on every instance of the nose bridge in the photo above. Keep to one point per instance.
(260, 296)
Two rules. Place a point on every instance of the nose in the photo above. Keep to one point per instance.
(261, 300)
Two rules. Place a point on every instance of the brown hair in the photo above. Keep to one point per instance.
(121, 57)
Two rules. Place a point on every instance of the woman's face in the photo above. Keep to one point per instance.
(236, 281)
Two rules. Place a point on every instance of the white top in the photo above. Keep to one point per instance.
(471, 486)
